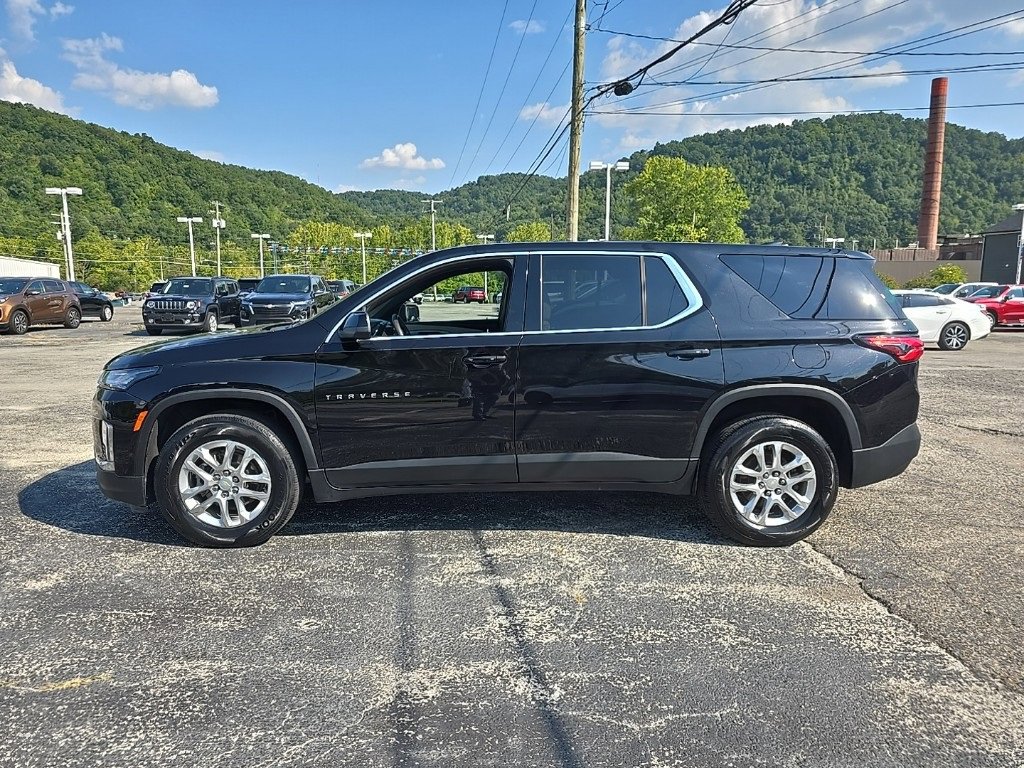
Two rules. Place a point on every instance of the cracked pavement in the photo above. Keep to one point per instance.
(591, 629)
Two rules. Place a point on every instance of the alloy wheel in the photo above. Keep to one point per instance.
(772, 483)
(955, 336)
(224, 483)
(20, 322)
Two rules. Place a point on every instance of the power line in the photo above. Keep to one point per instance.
(533, 122)
(480, 95)
(540, 72)
(501, 94)
(805, 112)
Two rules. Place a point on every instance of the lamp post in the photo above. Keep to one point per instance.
(483, 239)
(218, 225)
(66, 224)
(261, 238)
(596, 165)
(363, 237)
(190, 220)
(433, 229)
(1020, 243)
(835, 241)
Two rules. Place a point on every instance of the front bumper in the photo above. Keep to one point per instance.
(872, 465)
(128, 489)
(158, 320)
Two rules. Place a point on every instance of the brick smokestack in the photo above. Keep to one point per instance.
(931, 189)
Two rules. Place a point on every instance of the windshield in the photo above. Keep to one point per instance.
(188, 286)
(11, 285)
(989, 292)
(284, 284)
(945, 288)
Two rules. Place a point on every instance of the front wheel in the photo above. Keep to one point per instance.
(210, 323)
(226, 480)
(106, 314)
(993, 319)
(954, 337)
(19, 322)
(73, 318)
(768, 481)
(154, 331)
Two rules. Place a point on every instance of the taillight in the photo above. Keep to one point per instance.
(906, 349)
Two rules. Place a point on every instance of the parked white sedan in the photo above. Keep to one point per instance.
(950, 323)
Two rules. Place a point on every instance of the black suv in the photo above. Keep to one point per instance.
(760, 378)
(192, 303)
(284, 298)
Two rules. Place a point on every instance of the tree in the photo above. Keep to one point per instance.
(947, 273)
(529, 232)
(673, 200)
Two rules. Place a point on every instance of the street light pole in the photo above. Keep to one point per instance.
(621, 165)
(483, 239)
(261, 238)
(363, 236)
(1020, 243)
(66, 224)
(835, 241)
(433, 233)
(218, 225)
(190, 220)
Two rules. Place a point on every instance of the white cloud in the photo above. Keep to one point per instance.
(25, 90)
(544, 112)
(347, 188)
(523, 27)
(130, 87)
(402, 155)
(21, 14)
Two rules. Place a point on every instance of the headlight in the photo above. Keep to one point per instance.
(192, 305)
(123, 378)
(150, 302)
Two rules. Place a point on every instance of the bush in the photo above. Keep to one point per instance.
(889, 282)
(947, 273)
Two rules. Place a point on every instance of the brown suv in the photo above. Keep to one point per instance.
(26, 301)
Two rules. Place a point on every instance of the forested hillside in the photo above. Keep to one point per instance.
(857, 175)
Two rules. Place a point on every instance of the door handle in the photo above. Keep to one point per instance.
(689, 354)
(483, 361)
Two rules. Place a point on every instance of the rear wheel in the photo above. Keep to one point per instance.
(768, 481)
(73, 318)
(19, 322)
(954, 336)
(226, 480)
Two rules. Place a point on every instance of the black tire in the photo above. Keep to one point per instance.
(211, 322)
(285, 490)
(73, 318)
(107, 314)
(19, 322)
(954, 336)
(154, 331)
(994, 318)
(730, 444)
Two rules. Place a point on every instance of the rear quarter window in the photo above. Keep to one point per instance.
(794, 284)
(856, 294)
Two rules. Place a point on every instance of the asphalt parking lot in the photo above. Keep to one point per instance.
(535, 630)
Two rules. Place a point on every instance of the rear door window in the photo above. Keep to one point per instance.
(584, 292)
(664, 295)
(920, 300)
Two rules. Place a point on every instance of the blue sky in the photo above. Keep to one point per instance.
(361, 95)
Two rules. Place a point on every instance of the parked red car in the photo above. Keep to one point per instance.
(468, 293)
(1003, 303)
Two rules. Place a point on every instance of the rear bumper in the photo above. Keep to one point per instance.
(872, 465)
(130, 489)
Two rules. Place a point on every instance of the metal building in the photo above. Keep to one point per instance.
(999, 254)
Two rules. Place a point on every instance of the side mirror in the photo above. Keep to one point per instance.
(410, 313)
(356, 327)
(1005, 299)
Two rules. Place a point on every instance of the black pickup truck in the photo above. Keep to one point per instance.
(192, 303)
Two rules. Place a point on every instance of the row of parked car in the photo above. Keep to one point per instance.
(28, 301)
(953, 314)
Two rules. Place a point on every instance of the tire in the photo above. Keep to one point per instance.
(483, 301)
(954, 336)
(19, 322)
(73, 318)
(107, 314)
(274, 459)
(154, 331)
(722, 459)
(210, 322)
(993, 318)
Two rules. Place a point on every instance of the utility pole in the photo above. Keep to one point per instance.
(218, 225)
(66, 224)
(576, 119)
(433, 230)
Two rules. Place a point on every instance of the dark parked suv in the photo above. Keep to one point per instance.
(762, 379)
(283, 298)
(192, 303)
